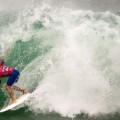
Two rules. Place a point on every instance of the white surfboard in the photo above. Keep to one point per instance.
(18, 101)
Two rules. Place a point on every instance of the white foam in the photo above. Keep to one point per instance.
(80, 73)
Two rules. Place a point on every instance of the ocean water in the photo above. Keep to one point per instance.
(68, 59)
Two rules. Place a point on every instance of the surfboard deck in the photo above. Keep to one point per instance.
(20, 100)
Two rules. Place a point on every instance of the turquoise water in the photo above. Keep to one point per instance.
(69, 61)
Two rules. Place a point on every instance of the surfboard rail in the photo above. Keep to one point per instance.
(20, 100)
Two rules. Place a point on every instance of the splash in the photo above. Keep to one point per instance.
(79, 72)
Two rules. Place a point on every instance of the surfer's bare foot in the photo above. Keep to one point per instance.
(12, 102)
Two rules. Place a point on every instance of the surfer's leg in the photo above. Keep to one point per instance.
(9, 90)
(10, 82)
(19, 89)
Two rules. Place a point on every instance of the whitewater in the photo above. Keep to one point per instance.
(69, 59)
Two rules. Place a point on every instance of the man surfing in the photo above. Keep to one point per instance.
(13, 76)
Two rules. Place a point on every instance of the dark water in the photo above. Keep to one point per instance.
(24, 114)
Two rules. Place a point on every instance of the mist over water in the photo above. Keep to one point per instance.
(69, 59)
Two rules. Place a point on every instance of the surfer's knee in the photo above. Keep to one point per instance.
(8, 88)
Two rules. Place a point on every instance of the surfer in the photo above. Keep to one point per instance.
(13, 76)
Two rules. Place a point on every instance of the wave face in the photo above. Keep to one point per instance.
(69, 59)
